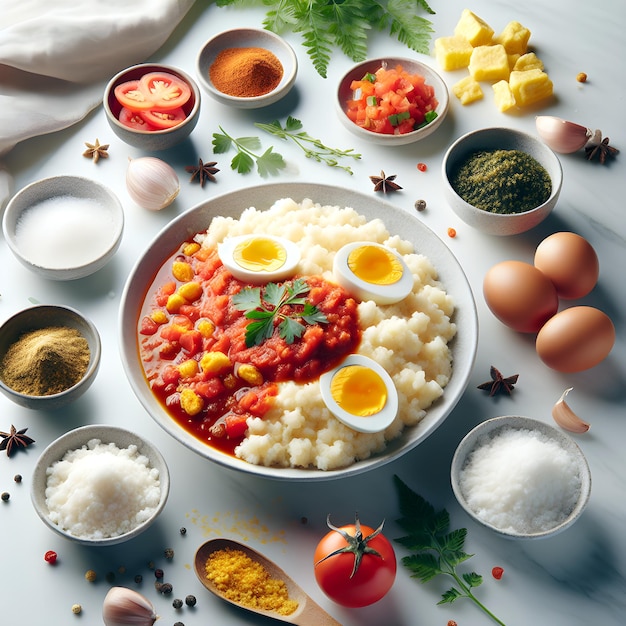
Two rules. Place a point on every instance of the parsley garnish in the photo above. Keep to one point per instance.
(437, 550)
(318, 152)
(247, 147)
(290, 326)
(326, 24)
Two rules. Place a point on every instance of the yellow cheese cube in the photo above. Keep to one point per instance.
(513, 59)
(503, 96)
(467, 90)
(528, 61)
(489, 63)
(473, 28)
(452, 53)
(514, 38)
(530, 86)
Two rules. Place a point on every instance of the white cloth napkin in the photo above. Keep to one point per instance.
(56, 57)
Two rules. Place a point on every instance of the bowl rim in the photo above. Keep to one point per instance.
(95, 343)
(287, 80)
(469, 443)
(431, 75)
(55, 451)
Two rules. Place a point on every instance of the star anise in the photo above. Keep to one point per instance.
(602, 150)
(202, 171)
(499, 383)
(96, 151)
(385, 183)
(14, 439)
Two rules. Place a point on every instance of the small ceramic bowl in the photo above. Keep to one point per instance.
(247, 38)
(41, 317)
(345, 93)
(151, 140)
(52, 216)
(500, 139)
(75, 440)
(484, 434)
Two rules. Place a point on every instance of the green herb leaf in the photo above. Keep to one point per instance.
(436, 550)
(270, 163)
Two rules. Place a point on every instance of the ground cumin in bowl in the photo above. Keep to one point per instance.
(49, 356)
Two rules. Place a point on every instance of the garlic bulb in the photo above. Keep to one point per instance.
(563, 136)
(566, 418)
(152, 183)
(125, 607)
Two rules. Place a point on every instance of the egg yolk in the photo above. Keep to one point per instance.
(359, 390)
(260, 255)
(375, 265)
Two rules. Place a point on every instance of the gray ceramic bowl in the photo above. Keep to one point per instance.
(489, 429)
(76, 439)
(344, 94)
(156, 139)
(47, 316)
(247, 38)
(95, 196)
(506, 139)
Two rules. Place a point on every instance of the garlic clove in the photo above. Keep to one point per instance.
(125, 607)
(560, 135)
(152, 183)
(566, 418)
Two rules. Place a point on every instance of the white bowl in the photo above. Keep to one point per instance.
(95, 196)
(247, 38)
(505, 139)
(74, 440)
(490, 428)
(46, 316)
(344, 93)
(263, 197)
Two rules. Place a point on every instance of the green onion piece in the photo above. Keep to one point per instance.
(369, 77)
(396, 118)
(430, 116)
(393, 119)
(371, 101)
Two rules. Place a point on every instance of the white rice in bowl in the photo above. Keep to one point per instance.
(409, 339)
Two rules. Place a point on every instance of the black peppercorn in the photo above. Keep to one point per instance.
(138, 578)
(420, 205)
(190, 600)
(158, 573)
(5, 496)
(183, 530)
(169, 553)
(158, 585)
(17, 478)
(179, 624)
(177, 603)
(166, 588)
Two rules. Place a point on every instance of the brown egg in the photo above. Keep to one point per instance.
(520, 296)
(570, 262)
(576, 339)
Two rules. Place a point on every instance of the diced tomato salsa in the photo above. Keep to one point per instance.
(194, 351)
(392, 101)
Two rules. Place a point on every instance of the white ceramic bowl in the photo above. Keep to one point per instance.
(95, 196)
(499, 138)
(263, 197)
(490, 428)
(74, 440)
(247, 38)
(151, 140)
(46, 316)
(344, 93)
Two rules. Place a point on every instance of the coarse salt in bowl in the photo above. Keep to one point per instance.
(520, 477)
(100, 485)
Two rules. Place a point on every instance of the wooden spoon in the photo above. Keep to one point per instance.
(308, 612)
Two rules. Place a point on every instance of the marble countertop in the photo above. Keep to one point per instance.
(575, 578)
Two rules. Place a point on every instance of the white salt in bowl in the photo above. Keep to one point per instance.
(76, 439)
(560, 451)
(64, 227)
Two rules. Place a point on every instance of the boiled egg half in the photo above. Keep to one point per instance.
(361, 394)
(372, 271)
(259, 258)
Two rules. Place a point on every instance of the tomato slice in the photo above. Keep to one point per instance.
(163, 119)
(133, 120)
(131, 96)
(166, 91)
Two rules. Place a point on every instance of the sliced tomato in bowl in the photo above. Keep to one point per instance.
(161, 120)
(166, 91)
(133, 119)
(130, 95)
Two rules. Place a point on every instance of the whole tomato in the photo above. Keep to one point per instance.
(355, 565)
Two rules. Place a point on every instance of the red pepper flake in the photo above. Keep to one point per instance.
(497, 572)
(422, 167)
(451, 232)
(50, 557)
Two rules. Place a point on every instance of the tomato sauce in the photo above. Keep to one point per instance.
(192, 343)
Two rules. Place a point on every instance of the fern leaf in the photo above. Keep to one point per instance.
(409, 28)
(349, 26)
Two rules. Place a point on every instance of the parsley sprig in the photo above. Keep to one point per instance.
(436, 549)
(255, 305)
(269, 162)
(312, 148)
(328, 24)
